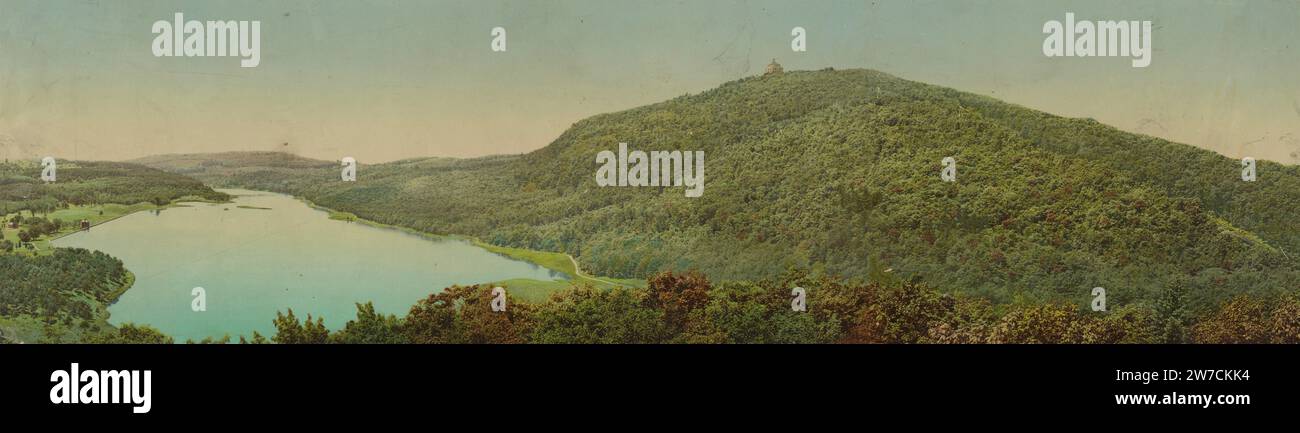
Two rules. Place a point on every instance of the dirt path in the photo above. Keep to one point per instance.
(578, 271)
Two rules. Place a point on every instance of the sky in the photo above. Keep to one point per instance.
(387, 80)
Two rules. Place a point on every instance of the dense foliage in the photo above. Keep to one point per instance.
(64, 297)
(687, 308)
(68, 284)
(130, 333)
(83, 182)
(838, 171)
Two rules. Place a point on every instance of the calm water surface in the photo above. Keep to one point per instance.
(253, 262)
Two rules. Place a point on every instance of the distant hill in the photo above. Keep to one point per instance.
(838, 172)
(87, 182)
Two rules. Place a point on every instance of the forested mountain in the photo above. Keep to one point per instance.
(838, 172)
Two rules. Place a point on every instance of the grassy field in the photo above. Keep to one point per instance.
(554, 261)
(530, 290)
(96, 214)
(342, 216)
(559, 262)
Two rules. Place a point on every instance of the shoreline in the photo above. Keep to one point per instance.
(528, 290)
(572, 268)
(535, 257)
(152, 206)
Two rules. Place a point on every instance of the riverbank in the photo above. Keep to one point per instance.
(524, 289)
(531, 290)
(96, 215)
(558, 262)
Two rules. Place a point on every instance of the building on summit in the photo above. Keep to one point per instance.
(774, 68)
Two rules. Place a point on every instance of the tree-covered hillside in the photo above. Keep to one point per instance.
(86, 182)
(838, 172)
(70, 289)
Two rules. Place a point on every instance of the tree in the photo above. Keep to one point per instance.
(478, 324)
(129, 333)
(225, 339)
(463, 315)
(583, 315)
(1040, 324)
(903, 314)
(289, 331)
(1286, 321)
(677, 295)
(1251, 320)
(371, 328)
(257, 339)
(1242, 319)
(742, 312)
(432, 320)
(1172, 313)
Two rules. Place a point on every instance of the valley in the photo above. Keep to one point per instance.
(848, 204)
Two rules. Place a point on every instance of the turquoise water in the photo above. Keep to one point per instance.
(253, 262)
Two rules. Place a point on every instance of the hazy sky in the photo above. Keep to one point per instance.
(384, 80)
